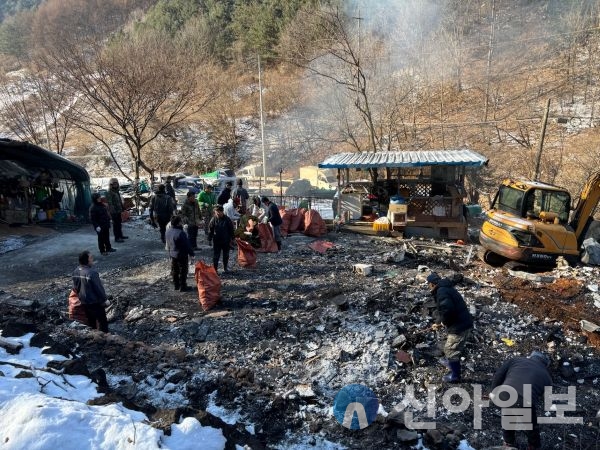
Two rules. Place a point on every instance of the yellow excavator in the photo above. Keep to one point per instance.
(532, 223)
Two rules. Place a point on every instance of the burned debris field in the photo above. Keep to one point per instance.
(266, 364)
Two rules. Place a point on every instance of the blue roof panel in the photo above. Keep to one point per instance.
(370, 160)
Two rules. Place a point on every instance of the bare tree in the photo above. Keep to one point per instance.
(132, 90)
(35, 109)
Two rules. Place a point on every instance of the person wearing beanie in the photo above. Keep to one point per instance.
(240, 197)
(528, 376)
(100, 219)
(161, 208)
(452, 313)
(115, 208)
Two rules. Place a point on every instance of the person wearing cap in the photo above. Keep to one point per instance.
(529, 378)
(273, 217)
(225, 194)
(161, 209)
(91, 293)
(452, 313)
(179, 248)
(220, 235)
(192, 219)
(115, 208)
(100, 219)
(240, 196)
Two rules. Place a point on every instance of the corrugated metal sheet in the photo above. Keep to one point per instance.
(368, 160)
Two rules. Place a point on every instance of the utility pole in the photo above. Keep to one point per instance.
(262, 126)
(541, 142)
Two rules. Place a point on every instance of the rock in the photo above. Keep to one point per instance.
(175, 375)
(399, 340)
(407, 435)
(434, 437)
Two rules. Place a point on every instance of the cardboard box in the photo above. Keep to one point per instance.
(397, 208)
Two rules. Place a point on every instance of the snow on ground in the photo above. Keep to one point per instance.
(11, 243)
(40, 408)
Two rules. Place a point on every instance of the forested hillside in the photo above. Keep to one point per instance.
(128, 79)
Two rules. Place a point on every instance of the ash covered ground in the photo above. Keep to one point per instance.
(266, 365)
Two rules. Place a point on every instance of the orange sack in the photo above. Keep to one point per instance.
(246, 254)
(286, 218)
(267, 240)
(76, 311)
(314, 225)
(297, 223)
(209, 285)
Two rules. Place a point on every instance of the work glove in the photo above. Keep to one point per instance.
(98, 229)
(185, 227)
(265, 220)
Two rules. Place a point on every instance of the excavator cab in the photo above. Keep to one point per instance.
(533, 201)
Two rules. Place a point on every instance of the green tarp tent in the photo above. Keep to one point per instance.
(214, 175)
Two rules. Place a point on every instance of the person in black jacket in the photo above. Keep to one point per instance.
(517, 373)
(179, 249)
(220, 233)
(274, 218)
(225, 194)
(161, 209)
(451, 312)
(100, 219)
(87, 284)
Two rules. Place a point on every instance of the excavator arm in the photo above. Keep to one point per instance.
(586, 204)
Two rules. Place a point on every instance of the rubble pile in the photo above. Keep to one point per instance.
(266, 365)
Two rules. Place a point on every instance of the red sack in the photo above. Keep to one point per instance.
(246, 254)
(297, 223)
(286, 217)
(125, 216)
(209, 285)
(76, 311)
(314, 225)
(267, 241)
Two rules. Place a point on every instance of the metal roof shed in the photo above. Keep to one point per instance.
(429, 183)
(380, 160)
(21, 164)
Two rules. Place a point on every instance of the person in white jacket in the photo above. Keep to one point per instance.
(230, 211)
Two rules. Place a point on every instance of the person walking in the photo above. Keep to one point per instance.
(207, 201)
(115, 208)
(192, 218)
(89, 289)
(225, 194)
(525, 375)
(220, 234)
(240, 197)
(161, 209)
(452, 313)
(179, 248)
(100, 219)
(274, 218)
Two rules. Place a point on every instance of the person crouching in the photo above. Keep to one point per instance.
(179, 248)
(451, 312)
